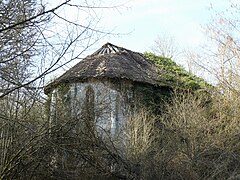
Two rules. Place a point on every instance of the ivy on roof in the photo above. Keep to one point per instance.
(176, 75)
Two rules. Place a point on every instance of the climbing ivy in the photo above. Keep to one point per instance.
(175, 75)
(151, 97)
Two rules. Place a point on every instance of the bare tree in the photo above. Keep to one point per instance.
(224, 51)
(36, 39)
(165, 45)
(48, 37)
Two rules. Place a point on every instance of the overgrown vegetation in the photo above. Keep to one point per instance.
(190, 140)
(206, 145)
(175, 75)
(193, 138)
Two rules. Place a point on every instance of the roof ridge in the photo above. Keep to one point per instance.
(108, 48)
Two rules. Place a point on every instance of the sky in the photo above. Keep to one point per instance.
(142, 21)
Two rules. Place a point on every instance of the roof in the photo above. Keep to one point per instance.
(110, 61)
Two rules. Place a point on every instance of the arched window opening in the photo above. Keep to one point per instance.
(117, 115)
(89, 105)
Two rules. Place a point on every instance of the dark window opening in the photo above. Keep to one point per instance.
(89, 103)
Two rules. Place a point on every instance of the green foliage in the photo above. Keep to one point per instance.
(175, 75)
(152, 98)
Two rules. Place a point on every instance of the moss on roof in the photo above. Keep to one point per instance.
(175, 75)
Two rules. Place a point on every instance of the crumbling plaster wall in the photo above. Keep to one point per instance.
(110, 103)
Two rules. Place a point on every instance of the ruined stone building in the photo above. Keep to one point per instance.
(103, 86)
